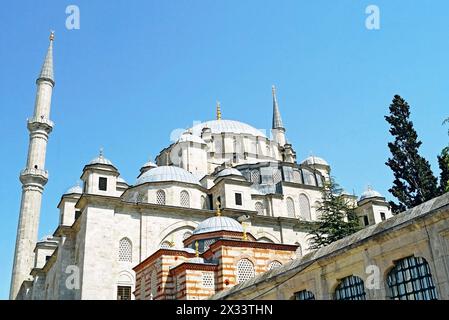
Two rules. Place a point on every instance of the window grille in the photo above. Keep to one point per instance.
(255, 177)
(410, 279)
(208, 280)
(290, 207)
(208, 243)
(125, 250)
(309, 178)
(304, 295)
(277, 176)
(102, 183)
(160, 197)
(350, 288)
(259, 208)
(185, 199)
(153, 283)
(238, 199)
(245, 270)
(274, 264)
(123, 293)
(297, 177)
(304, 207)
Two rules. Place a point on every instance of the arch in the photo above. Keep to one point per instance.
(298, 251)
(304, 295)
(204, 204)
(125, 250)
(304, 207)
(186, 235)
(274, 264)
(411, 279)
(268, 235)
(160, 197)
(260, 208)
(290, 207)
(350, 288)
(245, 270)
(166, 245)
(264, 239)
(184, 200)
(174, 227)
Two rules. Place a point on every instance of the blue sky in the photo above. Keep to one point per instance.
(136, 70)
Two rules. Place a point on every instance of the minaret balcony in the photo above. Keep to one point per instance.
(40, 123)
(30, 175)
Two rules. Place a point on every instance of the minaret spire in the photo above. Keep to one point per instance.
(34, 176)
(277, 120)
(277, 128)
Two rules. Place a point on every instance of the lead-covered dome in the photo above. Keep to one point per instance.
(370, 193)
(167, 173)
(315, 160)
(75, 189)
(101, 160)
(226, 126)
(218, 223)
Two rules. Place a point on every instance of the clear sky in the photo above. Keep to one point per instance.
(136, 70)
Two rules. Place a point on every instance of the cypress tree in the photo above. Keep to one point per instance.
(414, 182)
(443, 162)
(337, 217)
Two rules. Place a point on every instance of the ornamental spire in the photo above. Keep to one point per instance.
(277, 120)
(218, 110)
(47, 67)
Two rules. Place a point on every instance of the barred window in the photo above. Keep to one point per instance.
(255, 177)
(218, 145)
(259, 208)
(277, 176)
(410, 279)
(274, 264)
(304, 295)
(125, 250)
(350, 288)
(245, 270)
(208, 243)
(290, 207)
(304, 207)
(123, 293)
(185, 199)
(160, 197)
(208, 280)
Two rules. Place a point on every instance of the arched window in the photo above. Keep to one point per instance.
(160, 197)
(153, 283)
(410, 279)
(304, 207)
(255, 177)
(290, 207)
(245, 270)
(185, 199)
(298, 251)
(125, 249)
(274, 264)
(166, 245)
(304, 295)
(297, 177)
(204, 203)
(260, 208)
(186, 235)
(265, 239)
(277, 176)
(309, 177)
(350, 288)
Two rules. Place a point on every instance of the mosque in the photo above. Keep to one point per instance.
(223, 186)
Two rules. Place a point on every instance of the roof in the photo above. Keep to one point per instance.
(187, 137)
(370, 193)
(101, 160)
(218, 223)
(74, 189)
(167, 173)
(228, 172)
(315, 160)
(226, 126)
(47, 68)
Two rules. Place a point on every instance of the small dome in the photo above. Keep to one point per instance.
(229, 172)
(370, 193)
(101, 160)
(167, 173)
(74, 189)
(149, 164)
(315, 160)
(188, 137)
(218, 223)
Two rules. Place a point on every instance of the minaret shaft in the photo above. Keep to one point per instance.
(34, 176)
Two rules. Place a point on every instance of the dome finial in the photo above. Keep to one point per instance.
(52, 35)
(197, 252)
(245, 235)
(101, 152)
(217, 203)
(218, 110)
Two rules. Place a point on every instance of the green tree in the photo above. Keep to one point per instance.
(337, 217)
(414, 182)
(443, 162)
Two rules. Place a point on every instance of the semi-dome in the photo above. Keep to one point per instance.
(226, 126)
(315, 160)
(167, 173)
(188, 137)
(218, 223)
(229, 172)
(75, 189)
(370, 193)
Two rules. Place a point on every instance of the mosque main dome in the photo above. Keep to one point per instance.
(226, 126)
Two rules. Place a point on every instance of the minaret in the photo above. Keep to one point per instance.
(34, 176)
(277, 129)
